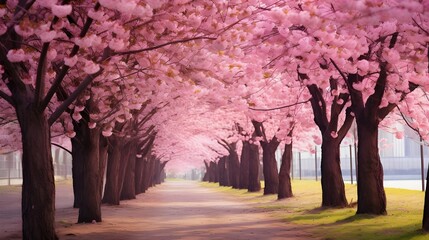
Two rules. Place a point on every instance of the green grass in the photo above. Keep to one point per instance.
(403, 220)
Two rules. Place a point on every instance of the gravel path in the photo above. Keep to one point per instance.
(174, 210)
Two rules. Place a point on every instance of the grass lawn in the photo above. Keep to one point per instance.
(403, 221)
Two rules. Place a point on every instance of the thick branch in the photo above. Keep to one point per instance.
(10, 69)
(374, 100)
(60, 76)
(318, 105)
(7, 98)
(55, 115)
(41, 73)
(346, 125)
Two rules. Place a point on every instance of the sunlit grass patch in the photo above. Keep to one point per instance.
(403, 220)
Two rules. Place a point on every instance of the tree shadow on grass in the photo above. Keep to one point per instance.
(357, 217)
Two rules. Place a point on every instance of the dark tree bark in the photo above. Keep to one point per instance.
(156, 172)
(285, 185)
(78, 158)
(234, 167)
(89, 171)
(254, 182)
(103, 145)
(112, 188)
(145, 147)
(271, 175)
(207, 173)
(212, 172)
(425, 222)
(128, 186)
(371, 195)
(244, 165)
(147, 175)
(139, 174)
(38, 188)
(146, 166)
(90, 206)
(223, 172)
(333, 192)
(163, 174)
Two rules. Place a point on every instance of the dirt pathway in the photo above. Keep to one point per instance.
(178, 210)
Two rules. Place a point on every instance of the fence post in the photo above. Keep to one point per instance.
(65, 162)
(299, 155)
(291, 166)
(315, 160)
(351, 164)
(9, 166)
(422, 162)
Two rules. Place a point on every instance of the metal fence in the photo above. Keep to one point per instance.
(411, 164)
(11, 166)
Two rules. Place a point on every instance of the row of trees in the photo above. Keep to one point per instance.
(110, 75)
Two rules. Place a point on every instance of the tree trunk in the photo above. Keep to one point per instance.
(38, 187)
(156, 172)
(371, 195)
(244, 165)
(285, 185)
(223, 172)
(207, 173)
(139, 174)
(147, 173)
(254, 182)
(123, 165)
(234, 169)
(425, 224)
(111, 189)
(90, 206)
(271, 175)
(333, 193)
(103, 148)
(212, 172)
(128, 187)
(78, 158)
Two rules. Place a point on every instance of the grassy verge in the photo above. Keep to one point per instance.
(403, 220)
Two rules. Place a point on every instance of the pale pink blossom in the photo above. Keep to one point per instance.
(16, 55)
(91, 67)
(70, 61)
(61, 10)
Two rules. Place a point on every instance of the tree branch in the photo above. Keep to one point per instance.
(41, 73)
(7, 98)
(10, 69)
(64, 70)
(65, 149)
(163, 45)
(276, 108)
(55, 115)
(346, 125)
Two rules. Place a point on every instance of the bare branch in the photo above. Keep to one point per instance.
(65, 149)
(163, 45)
(277, 108)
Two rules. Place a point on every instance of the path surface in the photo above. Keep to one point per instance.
(176, 210)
